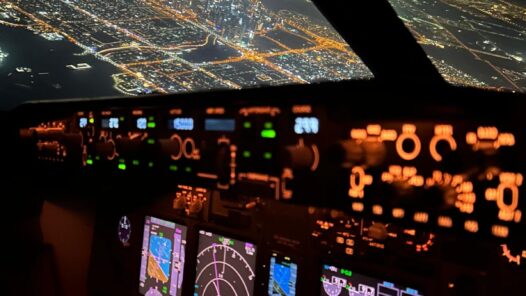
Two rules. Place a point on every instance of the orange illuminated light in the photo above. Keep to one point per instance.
(506, 139)
(421, 217)
(176, 111)
(357, 206)
(491, 194)
(487, 133)
(215, 110)
(388, 135)
(507, 253)
(444, 221)
(398, 213)
(374, 129)
(358, 134)
(442, 133)
(500, 231)
(409, 134)
(471, 226)
(358, 181)
(378, 210)
(301, 109)
(517, 217)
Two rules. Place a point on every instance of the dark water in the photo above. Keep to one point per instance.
(209, 53)
(26, 49)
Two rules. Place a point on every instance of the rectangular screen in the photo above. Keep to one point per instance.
(163, 257)
(340, 281)
(283, 275)
(220, 125)
(225, 266)
(100, 48)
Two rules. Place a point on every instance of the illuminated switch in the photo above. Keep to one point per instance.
(349, 242)
(398, 213)
(471, 226)
(421, 217)
(357, 206)
(340, 240)
(378, 210)
(349, 251)
(444, 221)
(500, 231)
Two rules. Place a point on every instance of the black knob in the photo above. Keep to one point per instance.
(300, 157)
(172, 147)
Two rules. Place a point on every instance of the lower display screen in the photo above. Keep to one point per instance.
(225, 266)
(163, 257)
(339, 281)
(283, 276)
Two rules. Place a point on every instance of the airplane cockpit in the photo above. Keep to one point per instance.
(263, 147)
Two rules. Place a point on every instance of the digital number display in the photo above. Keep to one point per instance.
(142, 123)
(307, 126)
(83, 122)
(182, 124)
(110, 123)
(220, 125)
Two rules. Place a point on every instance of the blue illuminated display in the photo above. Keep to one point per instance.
(307, 125)
(83, 122)
(282, 277)
(111, 123)
(142, 123)
(183, 124)
(220, 125)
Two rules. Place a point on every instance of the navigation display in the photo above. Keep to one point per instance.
(163, 257)
(225, 266)
(340, 281)
(472, 43)
(93, 48)
(283, 276)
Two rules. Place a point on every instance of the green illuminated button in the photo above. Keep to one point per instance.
(268, 125)
(151, 124)
(247, 124)
(268, 134)
(173, 168)
(267, 155)
(122, 166)
(89, 162)
(247, 154)
(135, 162)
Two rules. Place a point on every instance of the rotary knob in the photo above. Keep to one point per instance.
(302, 157)
(106, 149)
(172, 147)
(378, 231)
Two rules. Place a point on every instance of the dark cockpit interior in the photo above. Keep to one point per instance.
(263, 147)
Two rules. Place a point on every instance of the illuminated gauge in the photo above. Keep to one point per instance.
(124, 230)
(377, 234)
(513, 255)
(332, 289)
(419, 241)
(224, 266)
